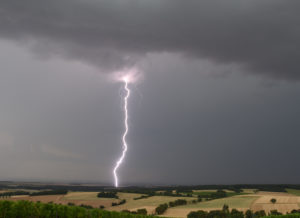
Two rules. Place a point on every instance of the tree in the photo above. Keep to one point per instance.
(260, 213)
(249, 214)
(295, 211)
(273, 200)
(107, 195)
(161, 209)
(225, 208)
(275, 212)
(177, 202)
(197, 214)
(142, 211)
(217, 214)
(236, 214)
(27, 209)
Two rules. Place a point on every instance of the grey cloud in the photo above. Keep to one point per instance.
(262, 36)
(185, 128)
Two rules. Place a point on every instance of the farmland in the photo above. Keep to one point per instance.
(138, 199)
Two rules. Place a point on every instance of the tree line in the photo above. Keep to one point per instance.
(52, 192)
(117, 204)
(225, 213)
(141, 211)
(107, 195)
(163, 207)
(28, 209)
(142, 197)
(213, 195)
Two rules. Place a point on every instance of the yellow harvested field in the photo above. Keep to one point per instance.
(78, 198)
(178, 212)
(261, 201)
(90, 198)
(240, 202)
(284, 202)
(81, 196)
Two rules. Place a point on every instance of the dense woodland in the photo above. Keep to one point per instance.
(27, 209)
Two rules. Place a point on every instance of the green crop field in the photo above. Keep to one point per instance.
(293, 191)
(241, 201)
(87, 196)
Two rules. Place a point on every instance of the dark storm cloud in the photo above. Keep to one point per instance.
(262, 36)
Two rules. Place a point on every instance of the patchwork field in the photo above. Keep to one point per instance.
(77, 198)
(248, 199)
(240, 202)
(285, 202)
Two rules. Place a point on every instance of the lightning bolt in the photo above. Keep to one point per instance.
(120, 160)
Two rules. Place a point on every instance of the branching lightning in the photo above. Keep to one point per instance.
(125, 79)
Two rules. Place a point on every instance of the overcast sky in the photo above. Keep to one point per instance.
(218, 101)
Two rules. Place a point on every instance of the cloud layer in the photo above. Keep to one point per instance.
(262, 36)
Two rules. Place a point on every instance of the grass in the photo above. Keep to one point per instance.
(241, 201)
(83, 196)
(293, 191)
